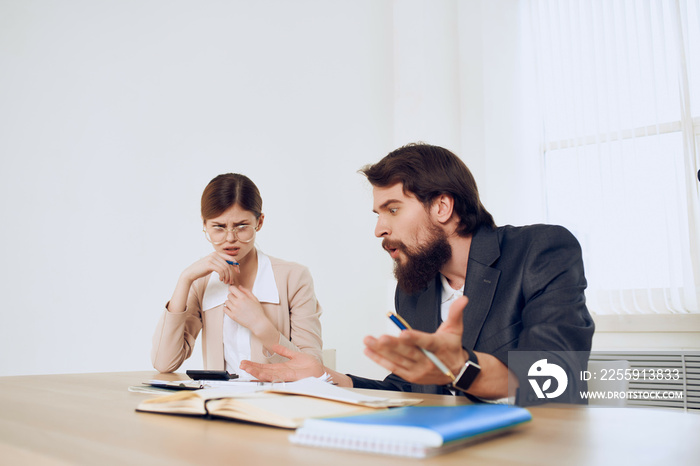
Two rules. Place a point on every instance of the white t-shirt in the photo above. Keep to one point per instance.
(449, 295)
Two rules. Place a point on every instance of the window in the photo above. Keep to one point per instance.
(619, 88)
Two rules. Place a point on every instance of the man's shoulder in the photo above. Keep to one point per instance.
(518, 242)
(539, 243)
(531, 231)
(536, 234)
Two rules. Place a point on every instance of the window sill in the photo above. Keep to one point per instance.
(647, 323)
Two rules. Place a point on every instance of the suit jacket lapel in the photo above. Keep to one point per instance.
(480, 283)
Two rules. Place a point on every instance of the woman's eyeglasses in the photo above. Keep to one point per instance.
(218, 234)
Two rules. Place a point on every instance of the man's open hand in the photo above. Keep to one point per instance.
(402, 355)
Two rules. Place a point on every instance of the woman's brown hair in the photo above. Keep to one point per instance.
(228, 189)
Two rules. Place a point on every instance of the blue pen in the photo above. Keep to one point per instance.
(232, 263)
(403, 325)
(396, 320)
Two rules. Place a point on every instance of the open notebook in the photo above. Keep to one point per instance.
(282, 405)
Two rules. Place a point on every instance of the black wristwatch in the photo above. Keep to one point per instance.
(466, 376)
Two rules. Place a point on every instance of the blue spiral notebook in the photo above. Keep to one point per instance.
(412, 431)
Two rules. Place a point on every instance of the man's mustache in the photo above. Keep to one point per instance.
(388, 244)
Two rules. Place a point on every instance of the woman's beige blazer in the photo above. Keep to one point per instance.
(296, 317)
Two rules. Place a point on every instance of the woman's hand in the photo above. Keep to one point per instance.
(214, 262)
(299, 366)
(243, 307)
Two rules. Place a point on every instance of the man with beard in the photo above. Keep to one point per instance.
(525, 287)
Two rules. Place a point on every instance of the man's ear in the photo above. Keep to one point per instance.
(442, 208)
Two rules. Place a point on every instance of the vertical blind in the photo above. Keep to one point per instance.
(618, 84)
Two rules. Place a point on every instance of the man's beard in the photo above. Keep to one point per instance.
(422, 262)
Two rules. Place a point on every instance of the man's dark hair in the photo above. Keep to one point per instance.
(427, 172)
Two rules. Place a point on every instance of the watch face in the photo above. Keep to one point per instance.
(467, 376)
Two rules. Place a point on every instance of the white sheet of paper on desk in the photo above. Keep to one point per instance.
(316, 387)
(232, 389)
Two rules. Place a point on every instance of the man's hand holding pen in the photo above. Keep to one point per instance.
(404, 356)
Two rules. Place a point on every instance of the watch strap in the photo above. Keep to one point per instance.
(472, 356)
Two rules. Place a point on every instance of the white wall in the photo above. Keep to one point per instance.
(114, 115)
(458, 83)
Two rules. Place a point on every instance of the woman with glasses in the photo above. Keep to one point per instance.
(242, 300)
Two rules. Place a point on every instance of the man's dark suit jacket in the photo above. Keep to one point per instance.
(526, 293)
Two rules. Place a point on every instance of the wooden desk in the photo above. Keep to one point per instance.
(90, 419)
